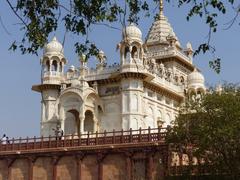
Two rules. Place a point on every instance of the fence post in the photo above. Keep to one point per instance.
(41, 141)
(96, 140)
(27, 143)
(130, 138)
(149, 133)
(80, 139)
(159, 133)
(122, 136)
(88, 138)
(72, 140)
(56, 139)
(140, 134)
(64, 140)
(12, 143)
(19, 145)
(113, 136)
(34, 142)
(105, 134)
(6, 145)
(49, 143)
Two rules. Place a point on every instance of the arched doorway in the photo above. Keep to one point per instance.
(88, 121)
(72, 122)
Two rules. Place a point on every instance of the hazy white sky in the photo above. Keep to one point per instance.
(20, 107)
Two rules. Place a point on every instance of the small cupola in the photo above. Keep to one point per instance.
(131, 46)
(53, 62)
(132, 33)
(53, 46)
(195, 81)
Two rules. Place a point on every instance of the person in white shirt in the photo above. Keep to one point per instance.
(58, 132)
(4, 139)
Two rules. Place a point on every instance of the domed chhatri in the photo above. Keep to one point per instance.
(53, 47)
(132, 32)
(195, 78)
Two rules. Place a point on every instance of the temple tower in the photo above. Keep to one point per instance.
(132, 53)
(53, 62)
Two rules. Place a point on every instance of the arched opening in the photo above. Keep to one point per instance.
(127, 54)
(72, 122)
(149, 118)
(47, 66)
(134, 53)
(192, 94)
(88, 121)
(54, 65)
(199, 94)
(167, 120)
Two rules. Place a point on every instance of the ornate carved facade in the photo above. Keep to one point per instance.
(145, 89)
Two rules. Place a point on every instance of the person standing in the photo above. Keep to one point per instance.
(7, 140)
(4, 139)
(58, 132)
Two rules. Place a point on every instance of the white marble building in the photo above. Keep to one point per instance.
(146, 88)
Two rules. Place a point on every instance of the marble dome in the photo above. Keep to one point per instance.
(195, 78)
(132, 32)
(53, 47)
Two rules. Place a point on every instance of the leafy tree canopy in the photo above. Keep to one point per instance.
(38, 18)
(211, 124)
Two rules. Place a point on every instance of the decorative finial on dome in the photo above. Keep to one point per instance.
(101, 57)
(54, 38)
(189, 46)
(161, 7)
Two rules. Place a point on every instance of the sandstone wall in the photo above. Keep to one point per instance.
(88, 167)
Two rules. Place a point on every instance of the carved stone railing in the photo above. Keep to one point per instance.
(159, 54)
(169, 52)
(101, 73)
(90, 139)
(52, 73)
(167, 84)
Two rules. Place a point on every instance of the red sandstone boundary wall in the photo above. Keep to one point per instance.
(123, 155)
(110, 166)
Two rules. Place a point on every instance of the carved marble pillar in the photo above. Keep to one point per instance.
(50, 66)
(58, 66)
(81, 118)
(95, 120)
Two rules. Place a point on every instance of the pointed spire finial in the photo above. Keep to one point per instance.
(161, 7)
(54, 38)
